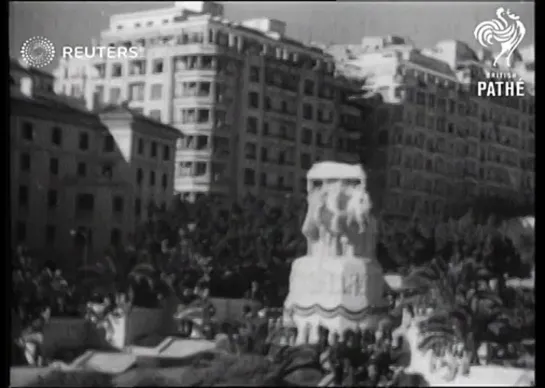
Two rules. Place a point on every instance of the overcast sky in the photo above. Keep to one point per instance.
(75, 23)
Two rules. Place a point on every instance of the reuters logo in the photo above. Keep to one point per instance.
(38, 51)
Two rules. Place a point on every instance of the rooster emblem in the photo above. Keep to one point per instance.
(508, 34)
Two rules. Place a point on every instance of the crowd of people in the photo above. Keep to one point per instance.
(354, 358)
(183, 269)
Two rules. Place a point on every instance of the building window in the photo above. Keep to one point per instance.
(156, 92)
(309, 87)
(109, 143)
(200, 169)
(140, 146)
(308, 112)
(137, 67)
(136, 92)
(52, 199)
(253, 100)
(152, 178)
(24, 162)
(164, 181)
(166, 153)
(139, 176)
(56, 136)
(27, 131)
(54, 166)
(84, 141)
(250, 151)
(21, 231)
(264, 154)
(254, 74)
(107, 170)
(306, 136)
(153, 151)
(117, 204)
(249, 177)
(251, 125)
(204, 89)
(23, 196)
(155, 114)
(115, 237)
(85, 203)
(268, 103)
(157, 66)
(117, 70)
(306, 161)
(82, 169)
(201, 116)
(115, 95)
(50, 234)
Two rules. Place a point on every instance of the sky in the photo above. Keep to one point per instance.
(76, 23)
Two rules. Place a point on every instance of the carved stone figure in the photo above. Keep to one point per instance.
(339, 282)
(339, 220)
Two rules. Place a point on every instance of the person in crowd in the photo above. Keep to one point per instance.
(336, 358)
(247, 312)
(255, 293)
(372, 376)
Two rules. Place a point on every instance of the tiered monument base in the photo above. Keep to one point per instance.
(338, 293)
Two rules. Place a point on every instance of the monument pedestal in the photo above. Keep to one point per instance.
(336, 292)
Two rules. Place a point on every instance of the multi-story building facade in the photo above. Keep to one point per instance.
(81, 181)
(256, 108)
(439, 144)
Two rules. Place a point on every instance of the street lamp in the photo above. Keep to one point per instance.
(84, 234)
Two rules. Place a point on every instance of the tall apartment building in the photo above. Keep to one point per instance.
(438, 142)
(256, 108)
(81, 181)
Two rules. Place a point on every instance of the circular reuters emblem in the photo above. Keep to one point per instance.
(38, 51)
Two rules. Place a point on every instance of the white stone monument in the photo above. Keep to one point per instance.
(339, 284)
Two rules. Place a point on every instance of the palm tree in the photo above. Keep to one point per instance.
(462, 311)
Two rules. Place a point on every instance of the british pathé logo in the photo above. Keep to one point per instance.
(507, 30)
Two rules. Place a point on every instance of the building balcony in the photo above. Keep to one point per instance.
(195, 100)
(278, 138)
(193, 153)
(200, 72)
(195, 179)
(290, 91)
(280, 114)
(201, 128)
(201, 184)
